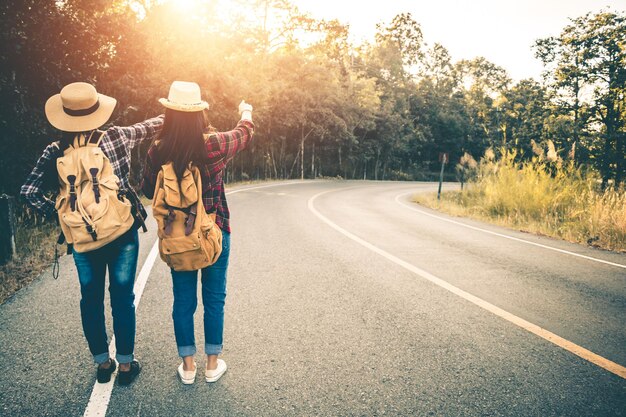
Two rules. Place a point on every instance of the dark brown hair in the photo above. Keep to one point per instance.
(182, 141)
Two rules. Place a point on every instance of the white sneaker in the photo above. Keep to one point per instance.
(215, 374)
(187, 377)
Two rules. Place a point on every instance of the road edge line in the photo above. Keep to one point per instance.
(590, 258)
(557, 340)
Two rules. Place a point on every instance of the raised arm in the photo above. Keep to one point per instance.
(32, 190)
(150, 173)
(227, 144)
(137, 133)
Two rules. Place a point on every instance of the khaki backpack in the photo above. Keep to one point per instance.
(189, 238)
(92, 212)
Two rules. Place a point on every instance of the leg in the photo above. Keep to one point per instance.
(213, 298)
(91, 272)
(185, 286)
(123, 254)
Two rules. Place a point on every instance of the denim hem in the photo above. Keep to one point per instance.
(186, 351)
(212, 349)
(101, 358)
(124, 358)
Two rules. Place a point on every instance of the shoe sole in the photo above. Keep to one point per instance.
(186, 381)
(108, 379)
(216, 377)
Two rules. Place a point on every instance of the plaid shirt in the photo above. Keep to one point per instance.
(116, 143)
(221, 148)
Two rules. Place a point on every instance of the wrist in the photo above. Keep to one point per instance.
(246, 115)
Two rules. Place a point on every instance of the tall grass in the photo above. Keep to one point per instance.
(543, 195)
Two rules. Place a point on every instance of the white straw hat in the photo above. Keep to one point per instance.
(79, 108)
(184, 96)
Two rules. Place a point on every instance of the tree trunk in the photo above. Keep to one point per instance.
(302, 158)
(340, 164)
(620, 162)
(376, 165)
(295, 161)
(313, 161)
(606, 162)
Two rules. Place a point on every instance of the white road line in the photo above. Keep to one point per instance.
(590, 258)
(101, 393)
(588, 355)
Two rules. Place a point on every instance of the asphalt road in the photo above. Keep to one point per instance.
(318, 324)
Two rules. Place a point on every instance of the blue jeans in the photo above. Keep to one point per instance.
(185, 285)
(120, 256)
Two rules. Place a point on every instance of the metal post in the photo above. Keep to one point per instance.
(443, 164)
(8, 227)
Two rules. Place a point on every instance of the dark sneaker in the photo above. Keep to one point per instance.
(125, 378)
(104, 374)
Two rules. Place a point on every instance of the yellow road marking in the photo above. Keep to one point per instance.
(580, 351)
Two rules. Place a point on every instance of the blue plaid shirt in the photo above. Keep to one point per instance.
(116, 143)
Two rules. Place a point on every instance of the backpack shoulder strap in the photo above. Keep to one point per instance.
(95, 137)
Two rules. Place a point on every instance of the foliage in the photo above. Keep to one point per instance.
(323, 106)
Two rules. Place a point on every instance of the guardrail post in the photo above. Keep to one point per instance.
(8, 226)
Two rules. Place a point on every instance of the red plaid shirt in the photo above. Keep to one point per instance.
(221, 148)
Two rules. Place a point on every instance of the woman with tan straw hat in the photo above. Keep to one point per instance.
(78, 111)
(184, 141)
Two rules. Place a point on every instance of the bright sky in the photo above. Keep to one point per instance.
(502, 31)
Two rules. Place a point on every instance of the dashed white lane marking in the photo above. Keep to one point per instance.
(590, 258)
(101, 393)
(588, 355)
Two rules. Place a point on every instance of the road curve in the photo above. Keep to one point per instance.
(318, 324)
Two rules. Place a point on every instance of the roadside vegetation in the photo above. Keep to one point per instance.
(545, 195)
(35, 240)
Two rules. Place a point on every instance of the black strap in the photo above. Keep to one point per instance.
(95, 136)
(82, 112)
(55, 265)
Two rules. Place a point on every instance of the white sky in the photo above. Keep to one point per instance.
(501, 31)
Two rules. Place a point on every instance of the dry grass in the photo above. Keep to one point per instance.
(35, 243)
(549, 198)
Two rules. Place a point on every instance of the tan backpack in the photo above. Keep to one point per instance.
(189, 238)
(91, 210)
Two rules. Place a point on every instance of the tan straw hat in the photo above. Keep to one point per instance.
(79, 108)
(184, 96)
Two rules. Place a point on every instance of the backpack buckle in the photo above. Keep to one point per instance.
(72, 180)
(94, 180)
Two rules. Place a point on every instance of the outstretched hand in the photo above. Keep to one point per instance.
(243, 106)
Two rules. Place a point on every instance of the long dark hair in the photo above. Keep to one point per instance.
(182, 141)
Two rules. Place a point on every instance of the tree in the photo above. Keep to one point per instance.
(591, 52)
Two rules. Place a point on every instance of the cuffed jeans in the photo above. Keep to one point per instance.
(120, 256)
(185, 284)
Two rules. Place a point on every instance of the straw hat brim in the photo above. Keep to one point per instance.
(184, 107)
(63, 121)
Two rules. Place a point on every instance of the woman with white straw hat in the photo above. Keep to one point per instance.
(78, 111)
(183, 141)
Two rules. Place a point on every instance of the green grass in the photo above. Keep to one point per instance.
(543, 197)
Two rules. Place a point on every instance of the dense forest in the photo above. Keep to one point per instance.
(323, 106)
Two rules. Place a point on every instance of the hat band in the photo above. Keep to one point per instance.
(82, 112)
